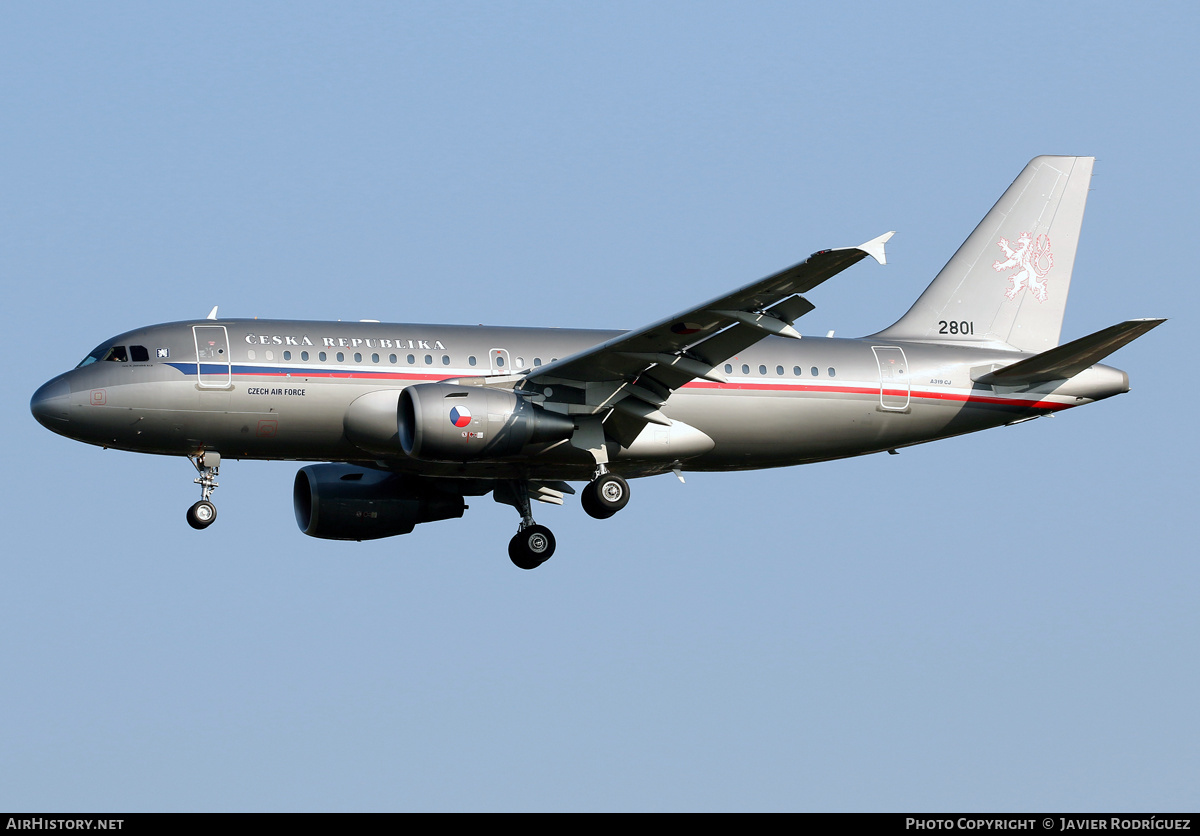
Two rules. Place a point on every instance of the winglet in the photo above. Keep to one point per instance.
(874, 247)
(213, 313)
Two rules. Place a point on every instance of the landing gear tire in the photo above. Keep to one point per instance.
(531, 547)
(605, 496)
(202, 515)
(591, 505)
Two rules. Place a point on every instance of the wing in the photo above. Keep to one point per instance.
(627, 379)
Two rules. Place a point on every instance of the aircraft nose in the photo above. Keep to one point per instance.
(50, 404)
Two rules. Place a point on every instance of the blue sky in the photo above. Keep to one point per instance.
(1004, 621)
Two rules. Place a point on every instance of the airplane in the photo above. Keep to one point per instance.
(405, 421)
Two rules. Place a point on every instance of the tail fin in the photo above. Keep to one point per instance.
(1008, 282)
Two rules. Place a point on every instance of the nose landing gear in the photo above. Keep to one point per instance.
(204, 513)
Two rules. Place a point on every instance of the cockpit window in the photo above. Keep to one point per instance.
(139, 354)
(94, 355)
(114, 353)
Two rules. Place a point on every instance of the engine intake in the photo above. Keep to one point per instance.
(343, 502)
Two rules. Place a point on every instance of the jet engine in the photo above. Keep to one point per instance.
(442, 422)
(344, 502)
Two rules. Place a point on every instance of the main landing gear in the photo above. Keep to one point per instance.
(533, 544)
(204, 513)
(604, 496)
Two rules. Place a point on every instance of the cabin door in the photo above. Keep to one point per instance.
(894, 385)
(212, 356)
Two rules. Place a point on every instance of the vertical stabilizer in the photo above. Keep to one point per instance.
(1008, 282)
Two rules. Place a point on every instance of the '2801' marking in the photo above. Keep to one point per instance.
(956, 327)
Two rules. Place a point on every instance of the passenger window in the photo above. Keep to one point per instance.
(357, 357)
(411, 359)
(745, 369)
(832, 373)
(322, 356)
(445, 359)
(520, 362)
(392, 359)
(341, 357)
(779, 370)
(428, 359)
(796, 371)
(250, 355)
(304, 356)
(815, 372)
(537, 361)
(471, 359)
(729, 368)
(287, 355)
(762, 369)
(139, 354)
(374, 358)
(270, 354)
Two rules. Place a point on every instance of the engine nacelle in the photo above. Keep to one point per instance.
(442, 422)
(343, 502)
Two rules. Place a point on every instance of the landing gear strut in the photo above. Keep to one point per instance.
(604, 496)
(533, 544)
(204, 513)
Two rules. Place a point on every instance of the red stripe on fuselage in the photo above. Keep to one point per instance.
(874, 390)
(752, 387)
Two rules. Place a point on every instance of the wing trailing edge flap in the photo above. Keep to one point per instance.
(630, 377)
(1069, 359)
(549, 492)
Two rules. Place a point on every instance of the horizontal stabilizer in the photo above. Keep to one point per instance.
(1070, 359)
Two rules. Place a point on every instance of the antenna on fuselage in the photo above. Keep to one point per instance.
(213, 313)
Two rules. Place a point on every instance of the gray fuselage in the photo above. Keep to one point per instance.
(272, 389)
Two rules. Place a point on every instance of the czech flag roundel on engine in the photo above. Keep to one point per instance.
(460, 416)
